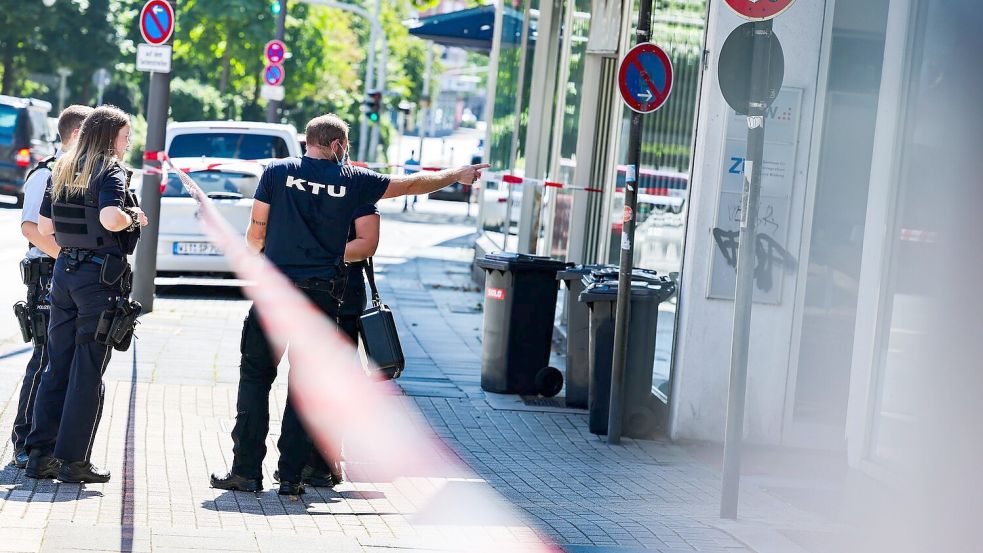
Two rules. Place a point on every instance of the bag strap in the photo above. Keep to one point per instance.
(370, 273)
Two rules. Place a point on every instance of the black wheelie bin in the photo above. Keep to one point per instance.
(638, 411)
(520, 306)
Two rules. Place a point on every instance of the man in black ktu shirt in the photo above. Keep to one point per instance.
(300, 220)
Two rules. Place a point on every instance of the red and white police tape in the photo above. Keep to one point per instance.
(385, 438)
(491, 176)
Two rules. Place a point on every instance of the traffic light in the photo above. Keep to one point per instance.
(275, 7)
(373, 105)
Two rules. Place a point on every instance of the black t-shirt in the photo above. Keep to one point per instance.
(355, 289)
(110, 188)
(312, 204)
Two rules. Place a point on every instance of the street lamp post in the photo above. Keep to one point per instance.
(370, 71)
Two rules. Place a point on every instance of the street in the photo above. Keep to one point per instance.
(170, 407)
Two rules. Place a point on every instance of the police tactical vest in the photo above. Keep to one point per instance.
(77, 225)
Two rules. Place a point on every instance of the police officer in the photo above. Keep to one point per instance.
(300, 218)
(363, 240)
(36, 268)
(88, 209)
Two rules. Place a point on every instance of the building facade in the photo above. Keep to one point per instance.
(842, 215)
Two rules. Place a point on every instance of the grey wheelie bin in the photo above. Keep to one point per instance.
(520, 306)
(578, 333)
(640, 419)
(578, 324)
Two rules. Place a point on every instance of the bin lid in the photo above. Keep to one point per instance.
(578, 271)
(608, 291)
(511, 261)
(609, 273)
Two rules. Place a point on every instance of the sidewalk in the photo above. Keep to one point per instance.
(170, 406)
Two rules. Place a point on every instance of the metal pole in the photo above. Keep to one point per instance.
(380, 83)
(158, 104)
(760, 64)
(364, 131)
(425, 112)
(63, 72)
(273, 107)
(623, 307)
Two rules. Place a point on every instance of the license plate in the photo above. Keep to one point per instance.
(195, 248)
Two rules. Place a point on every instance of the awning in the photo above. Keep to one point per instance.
(471, 29)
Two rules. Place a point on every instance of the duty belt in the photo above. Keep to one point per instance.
(79, 255)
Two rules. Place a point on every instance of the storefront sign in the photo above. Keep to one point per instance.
(777, 179)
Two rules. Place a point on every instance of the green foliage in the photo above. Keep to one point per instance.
(194, 101)
(218, 57)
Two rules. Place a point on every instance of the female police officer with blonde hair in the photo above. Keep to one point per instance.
(95, 221)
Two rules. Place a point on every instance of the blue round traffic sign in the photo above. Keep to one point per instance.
(276, 51)
(645, 78)
(157, 22)
(273, 74)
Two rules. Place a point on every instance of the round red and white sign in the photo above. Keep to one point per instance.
(157, 22)
(759, 10)
(276, 51)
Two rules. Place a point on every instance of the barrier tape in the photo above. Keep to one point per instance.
(515, 179)
(384, 436)
(503, 177)
(921, 236)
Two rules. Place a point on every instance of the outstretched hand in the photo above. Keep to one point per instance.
(469, 174)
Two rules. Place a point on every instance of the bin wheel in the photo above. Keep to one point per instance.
(549, 381)
(641, 423)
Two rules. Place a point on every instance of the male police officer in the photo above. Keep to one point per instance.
(300, 216)
(36, 270)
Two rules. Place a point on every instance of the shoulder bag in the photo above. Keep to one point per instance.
(378, 332)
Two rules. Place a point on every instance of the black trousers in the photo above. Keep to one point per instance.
(351, 310)
(37, 300)
(70, 396)
(257, 371)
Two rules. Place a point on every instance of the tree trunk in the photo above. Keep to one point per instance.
(223, 83)
(7, 84)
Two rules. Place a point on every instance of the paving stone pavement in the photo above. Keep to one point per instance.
(170, 406)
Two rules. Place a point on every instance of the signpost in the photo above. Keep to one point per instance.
(645, 81)
(157, 27)
(750, 72)
(101, 79)
(275, 52)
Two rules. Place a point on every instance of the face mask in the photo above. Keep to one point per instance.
(344, 157)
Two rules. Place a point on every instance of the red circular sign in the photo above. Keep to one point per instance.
(274, 74)
(157, 22)
(645, 78)
(759, 10)
(276, 51)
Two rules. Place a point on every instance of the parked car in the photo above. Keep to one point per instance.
(456, 192)
(232, 140)
(494, 198)
(182, 246)
(25, 139)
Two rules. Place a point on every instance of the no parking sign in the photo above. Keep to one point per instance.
(645, 78)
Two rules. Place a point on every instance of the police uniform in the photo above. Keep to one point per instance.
(91, 281)
(312, 203)
(36, 269)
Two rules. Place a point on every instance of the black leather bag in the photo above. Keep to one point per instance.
(378, 331)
